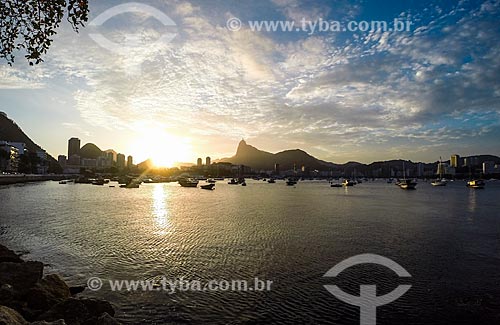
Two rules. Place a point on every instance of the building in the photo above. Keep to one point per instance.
(61, 159)
(455, 161)
(73, 147)
(470, 161)
(89, 163)
(42, 166)
(489, 167)
(199, 162)
(9, 160)
(120, 161)
(73, 160)
(208, 161)
(130, 162)
(420, 169)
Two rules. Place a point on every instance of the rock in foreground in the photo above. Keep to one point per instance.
(26, 296)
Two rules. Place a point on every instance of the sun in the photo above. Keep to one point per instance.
(162, 148)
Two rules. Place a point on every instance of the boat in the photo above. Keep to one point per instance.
(348, 182)
(131, 184)
(98, 182)
(476, 183)
(291, 182)
(406, 184)
(244, 184)
(389, 181)
(233, 181)
(440, 181)
(63, 182)
(211, 181)
(188, 182)
(336, 185)
(209, 186)
(271, 181)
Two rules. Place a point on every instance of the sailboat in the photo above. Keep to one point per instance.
(474, 182)
(406, 184)
(440, 181)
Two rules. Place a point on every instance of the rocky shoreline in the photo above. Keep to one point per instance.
(28, 297)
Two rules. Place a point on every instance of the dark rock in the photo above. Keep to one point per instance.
(9, 316)
(7, 255)
(78, 311)
(76, 290)
(73, 311)
(21, 276)
(97, 307)
(106, 319)
(47, 292)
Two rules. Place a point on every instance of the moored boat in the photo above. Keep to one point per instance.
(188, 182)
(348, 182)
(407, 184)
(476, 183)
(209, 186)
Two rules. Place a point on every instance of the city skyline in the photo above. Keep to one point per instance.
(341, 97)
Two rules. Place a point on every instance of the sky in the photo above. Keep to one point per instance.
(173, 77)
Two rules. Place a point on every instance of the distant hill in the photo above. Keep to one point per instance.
(10, 131)
(262, 160)
(90, 151)
(258, 159)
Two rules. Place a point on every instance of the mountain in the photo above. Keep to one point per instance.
(90, 151)
(257, 159)
(10, 131)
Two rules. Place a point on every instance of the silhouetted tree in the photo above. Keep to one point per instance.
(29, 25)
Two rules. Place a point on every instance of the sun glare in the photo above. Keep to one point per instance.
(162, 148)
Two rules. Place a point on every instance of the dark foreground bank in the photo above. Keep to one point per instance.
(28, 297)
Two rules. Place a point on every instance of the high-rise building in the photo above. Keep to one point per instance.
(208, 161)
(420, 169)
(120, 161)
(73, 147)
(455, 161)
(470, 161)
(199, 162)
(130, 161)
(61, 159)
(73, 160)
(489, 167)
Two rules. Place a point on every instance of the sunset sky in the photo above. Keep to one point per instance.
(341, 96)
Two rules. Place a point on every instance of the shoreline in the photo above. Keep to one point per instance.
(29, 297)
(27, 178)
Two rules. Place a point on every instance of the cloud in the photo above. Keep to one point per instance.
(342, 95)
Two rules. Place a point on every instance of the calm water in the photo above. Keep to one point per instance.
(447, 238)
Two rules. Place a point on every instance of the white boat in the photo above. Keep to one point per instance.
(406, 184)
(440, 181)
